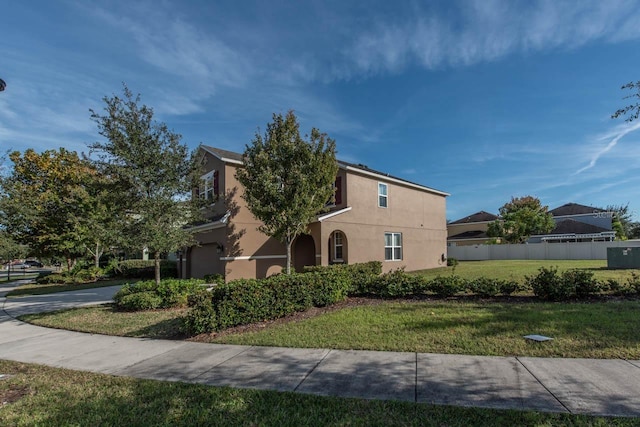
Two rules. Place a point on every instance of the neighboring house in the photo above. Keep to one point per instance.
(578, 223)
(376, 217)
(470, 230)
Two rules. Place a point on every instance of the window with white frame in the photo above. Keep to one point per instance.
(208, 186)
(382, 195)
(392, 246)
(337, 245)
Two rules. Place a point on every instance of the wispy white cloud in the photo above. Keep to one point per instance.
(613, 139)
(486, 30)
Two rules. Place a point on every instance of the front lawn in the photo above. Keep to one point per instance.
(39, 395)
(518, 269)
(49, 288)
(587, 329)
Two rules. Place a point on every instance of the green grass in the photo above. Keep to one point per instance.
(518, 269)
(591, 329)
(54, 397)
(157, 324)
(15, 277)
(41, 289)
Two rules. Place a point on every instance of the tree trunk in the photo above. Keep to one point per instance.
(69, 264)
(96, 255)
(289, 242)
(156, 257)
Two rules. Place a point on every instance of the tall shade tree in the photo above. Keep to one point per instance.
(153, 172)
(633, 109)
(287, 180)
(47, 200)
(521, 218)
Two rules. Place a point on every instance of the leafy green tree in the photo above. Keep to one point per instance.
(621, 220)
(287, 180)
(521, 218)
(632, 109)
(153, 173)
(46, 201)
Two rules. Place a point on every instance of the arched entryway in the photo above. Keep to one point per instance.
(304, 252)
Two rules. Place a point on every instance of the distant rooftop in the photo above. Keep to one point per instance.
(481, 216)
(574, 209)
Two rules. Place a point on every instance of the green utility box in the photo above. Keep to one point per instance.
(623, 257)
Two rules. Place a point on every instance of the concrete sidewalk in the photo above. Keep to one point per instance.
(585, 386)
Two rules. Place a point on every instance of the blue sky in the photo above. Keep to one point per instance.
(482, 99)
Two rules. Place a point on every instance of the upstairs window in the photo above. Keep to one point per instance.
(208, 189)
(382, 195)
(392, 246)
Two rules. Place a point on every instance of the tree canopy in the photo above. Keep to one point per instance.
(48, 202)
(288, 180)
(521, 218)
(633, 110)
(152, 171)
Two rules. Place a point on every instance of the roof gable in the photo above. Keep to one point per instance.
(481, 216)
(574, 209)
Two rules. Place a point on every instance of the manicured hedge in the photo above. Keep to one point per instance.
(147, 295)
(249, 300)
(145, 269)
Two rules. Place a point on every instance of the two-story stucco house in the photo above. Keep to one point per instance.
(376, 217)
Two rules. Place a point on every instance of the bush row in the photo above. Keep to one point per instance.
(250, 300)
(148, 295)
(400, 284)
(75, 276)
(550, 285)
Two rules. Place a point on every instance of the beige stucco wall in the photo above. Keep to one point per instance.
(419, 215)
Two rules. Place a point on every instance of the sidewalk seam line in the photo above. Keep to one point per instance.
(544, 386)
(220, 363)
(311, 370)
(632, 364)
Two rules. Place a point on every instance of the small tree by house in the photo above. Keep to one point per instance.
(521, 218)
(287, 180)
(153, 172)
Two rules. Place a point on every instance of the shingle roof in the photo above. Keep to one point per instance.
(568, 226)
(473, 234)
(574, 209)
(481, 216)
(238, 158)
(223, 153)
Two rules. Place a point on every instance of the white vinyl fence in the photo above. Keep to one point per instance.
(585, 250)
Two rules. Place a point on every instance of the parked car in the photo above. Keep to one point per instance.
(34, 263)
(18, 266)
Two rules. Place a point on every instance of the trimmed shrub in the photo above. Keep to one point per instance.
(485, 287)
(139, 301)
(396, 284)
(246, 301)
(634, 282)
(145, 269)
(360, 275)
(507, 287)
(447, 286)
(170, 293)
(202, 317)
(583, 281)
(550, 285)
(452, 262)
(54, 278)
(216, 279)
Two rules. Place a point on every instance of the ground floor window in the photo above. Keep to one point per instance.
(337, 246)
(392, 246)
